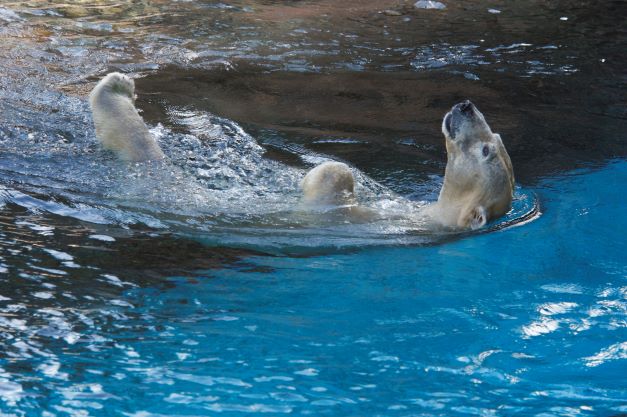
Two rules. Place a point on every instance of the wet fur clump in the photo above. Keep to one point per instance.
(119, 127)
(330, 183)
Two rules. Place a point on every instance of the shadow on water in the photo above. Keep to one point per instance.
(391, 121)
(548, 76)
(86, 251)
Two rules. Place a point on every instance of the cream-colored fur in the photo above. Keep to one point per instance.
(329, 183)
(119, 127)
(478, 180)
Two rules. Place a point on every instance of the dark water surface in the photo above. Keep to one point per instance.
(199, 286)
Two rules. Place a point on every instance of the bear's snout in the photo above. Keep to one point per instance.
(465, 107)
(461, 113)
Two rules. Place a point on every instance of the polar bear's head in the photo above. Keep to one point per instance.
(479, 179)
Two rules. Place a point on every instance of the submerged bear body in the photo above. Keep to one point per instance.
(329, 183)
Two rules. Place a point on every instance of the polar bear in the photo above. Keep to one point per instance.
(478, 179)
(119, 127)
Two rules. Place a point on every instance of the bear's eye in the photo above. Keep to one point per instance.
(485, 150)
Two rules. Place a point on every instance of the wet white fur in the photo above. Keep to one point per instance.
(329, 183)
(476, 189)
(119, 127)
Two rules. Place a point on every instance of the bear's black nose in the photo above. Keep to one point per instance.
(466, 106)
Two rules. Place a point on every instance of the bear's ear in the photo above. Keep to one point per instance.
(497, 137)
(475, 218)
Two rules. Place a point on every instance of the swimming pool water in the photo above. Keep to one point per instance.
(198, 288)
(529, 320)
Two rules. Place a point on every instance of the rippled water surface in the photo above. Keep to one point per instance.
(201, 286)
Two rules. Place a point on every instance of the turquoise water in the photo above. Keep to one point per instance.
(529, 320)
